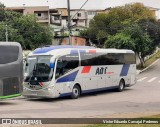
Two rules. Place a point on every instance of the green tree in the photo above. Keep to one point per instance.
(120, 41)
(132, 38)
(130, 13)
(97, 28)
(152, 29)
(11, 17)
(34, 34)
(13, 34)
(117, 19)
(2, 12)
(24, 29)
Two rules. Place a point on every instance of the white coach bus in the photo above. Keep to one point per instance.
(57, 71)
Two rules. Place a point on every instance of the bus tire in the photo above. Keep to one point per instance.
(121, 85)
(76, 91)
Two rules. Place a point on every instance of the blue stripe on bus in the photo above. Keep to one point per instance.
(90, 91)
(68, 78)
(124, 70)
(74, 52)
(52, 65)
(50, 48)
(99, 89)
(65, 94)
(82, 51)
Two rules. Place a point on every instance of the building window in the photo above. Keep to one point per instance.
(91, 13)
(79, 14)
(39, 14)
(56, 18)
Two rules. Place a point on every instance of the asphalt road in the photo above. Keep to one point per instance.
(144, 97)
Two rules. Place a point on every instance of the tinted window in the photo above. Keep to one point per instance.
(105, 59)
(130, 58)
(91, 59)
(66, 63)
(115, 58)
(8, 54)
(110, 59)
(88, 59)
(118, 58)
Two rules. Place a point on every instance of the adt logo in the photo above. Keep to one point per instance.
(6, 121)
(101, 70)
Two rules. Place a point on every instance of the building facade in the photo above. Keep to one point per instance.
(41, 12)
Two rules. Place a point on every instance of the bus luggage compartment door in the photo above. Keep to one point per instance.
(109, 81)
(90, 83)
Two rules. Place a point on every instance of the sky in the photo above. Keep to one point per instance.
(75, 4)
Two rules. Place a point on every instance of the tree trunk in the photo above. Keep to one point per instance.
(141, 60)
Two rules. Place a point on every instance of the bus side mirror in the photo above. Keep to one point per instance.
(52, 65)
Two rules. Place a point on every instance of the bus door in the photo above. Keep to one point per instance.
(66, 71)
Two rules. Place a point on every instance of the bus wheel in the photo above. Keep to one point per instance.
(75, 92)
(121, 85)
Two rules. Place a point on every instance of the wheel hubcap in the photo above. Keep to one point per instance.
(121, 85)
(75, 91)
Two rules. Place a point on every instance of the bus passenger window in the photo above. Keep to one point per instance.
(66, 64)
(88, 59)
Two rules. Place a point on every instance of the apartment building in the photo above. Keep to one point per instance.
(42, 12)
(59, 16)
(79, 17)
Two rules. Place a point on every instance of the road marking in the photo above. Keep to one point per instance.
(152, 79)
(139, 80)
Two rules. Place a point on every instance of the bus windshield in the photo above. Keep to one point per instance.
(38, 69)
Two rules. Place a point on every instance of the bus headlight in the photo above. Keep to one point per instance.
(50, 88)
(24, 88)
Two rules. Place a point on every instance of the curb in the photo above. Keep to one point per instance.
(140, 71)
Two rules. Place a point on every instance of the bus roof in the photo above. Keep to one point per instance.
(60, 48)
(51, 48)
(10, 43)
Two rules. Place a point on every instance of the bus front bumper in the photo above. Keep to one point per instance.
(44, 93)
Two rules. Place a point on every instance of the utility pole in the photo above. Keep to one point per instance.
(6, 33)
(69, 21)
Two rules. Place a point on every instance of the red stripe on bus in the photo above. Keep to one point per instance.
(92, 51)
(109, 73)
(86, 69)
(41, 84)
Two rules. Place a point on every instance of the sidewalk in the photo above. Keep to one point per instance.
(140, 71)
